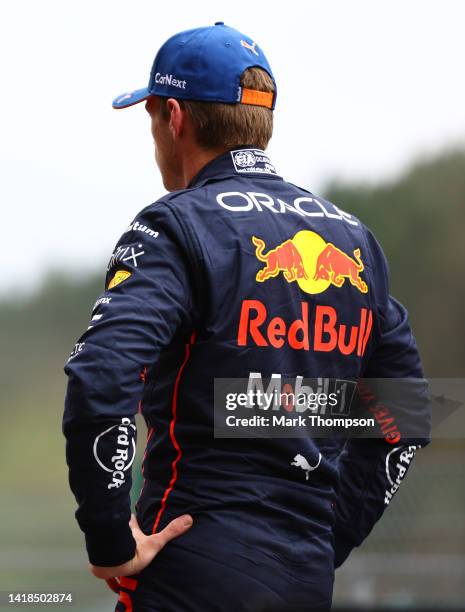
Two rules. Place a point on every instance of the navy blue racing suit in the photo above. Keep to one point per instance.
(239, 274)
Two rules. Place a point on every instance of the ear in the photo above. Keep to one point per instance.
(177, 118)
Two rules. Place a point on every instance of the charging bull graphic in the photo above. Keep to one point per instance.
(334, 265)
(310, 261)
(284, 258)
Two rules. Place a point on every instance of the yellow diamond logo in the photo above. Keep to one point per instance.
(119, 277)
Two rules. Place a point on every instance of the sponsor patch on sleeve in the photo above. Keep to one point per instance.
(119, 277)
(115, 450)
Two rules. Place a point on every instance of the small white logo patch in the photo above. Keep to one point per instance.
(251, 47)
(78, 348)
(125, 452)
(125, 254)
(252, 160)
(170, 79)
(397, 463)
(139, 227)
(300, 461)
(244, 159)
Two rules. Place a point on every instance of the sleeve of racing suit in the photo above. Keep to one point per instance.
(371, 470)
(147, 300)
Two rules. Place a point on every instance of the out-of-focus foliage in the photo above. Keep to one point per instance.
(420, 221)
(37, 336)
(37, 333)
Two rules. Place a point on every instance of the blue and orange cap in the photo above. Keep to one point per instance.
(204, 64)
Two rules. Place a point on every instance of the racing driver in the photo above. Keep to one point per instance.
(233, 274)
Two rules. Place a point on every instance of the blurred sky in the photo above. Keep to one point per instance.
(363, 87)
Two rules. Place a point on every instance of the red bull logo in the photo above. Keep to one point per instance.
(311, 261)
(320, 330)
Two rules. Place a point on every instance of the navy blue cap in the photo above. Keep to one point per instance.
(204, 64)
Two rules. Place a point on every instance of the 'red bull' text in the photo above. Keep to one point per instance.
(328, 333)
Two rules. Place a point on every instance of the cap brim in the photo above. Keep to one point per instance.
(130, 98)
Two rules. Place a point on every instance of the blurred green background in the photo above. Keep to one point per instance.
(415, 556)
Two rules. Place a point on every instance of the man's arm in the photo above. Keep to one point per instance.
(371, 470)
(147, 300)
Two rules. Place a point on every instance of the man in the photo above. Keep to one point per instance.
(235, 274)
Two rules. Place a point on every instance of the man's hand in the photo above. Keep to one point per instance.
(147, 547)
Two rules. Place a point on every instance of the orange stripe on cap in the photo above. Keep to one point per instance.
(258, 98)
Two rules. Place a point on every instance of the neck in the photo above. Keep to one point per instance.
(194, 160)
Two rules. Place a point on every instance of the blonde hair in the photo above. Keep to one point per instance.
(219, 125)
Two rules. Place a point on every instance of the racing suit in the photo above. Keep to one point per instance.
(239, 273)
